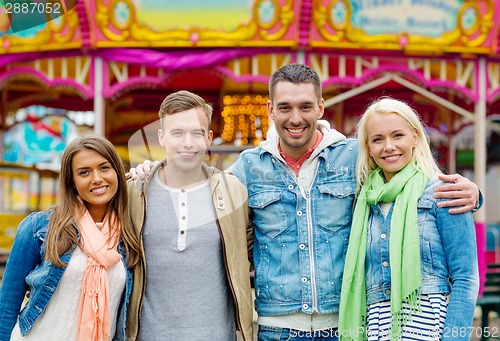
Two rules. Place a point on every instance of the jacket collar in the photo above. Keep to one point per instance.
(210, 172)
(330, 136)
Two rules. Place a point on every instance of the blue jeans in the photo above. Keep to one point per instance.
(267, 333)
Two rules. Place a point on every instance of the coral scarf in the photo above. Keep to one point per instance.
(94, 318)
(405, 188)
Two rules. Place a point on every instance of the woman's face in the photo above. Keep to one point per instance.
(95, 180)
(391, 140)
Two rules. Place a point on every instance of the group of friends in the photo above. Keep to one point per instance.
(350, 239)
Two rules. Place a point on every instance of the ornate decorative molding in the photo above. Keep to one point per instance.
(333, 20)
(58, 34)
(270, 21)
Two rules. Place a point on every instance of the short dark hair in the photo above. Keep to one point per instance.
(295, 73)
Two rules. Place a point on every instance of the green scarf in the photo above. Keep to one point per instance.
(405, 188)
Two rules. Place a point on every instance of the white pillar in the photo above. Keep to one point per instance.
(301, 56)
(480, 135)
(99, 111)
(480, 166)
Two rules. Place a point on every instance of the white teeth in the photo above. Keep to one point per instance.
(391, 158)
(296, 131)
(187, 154)
(98, 190)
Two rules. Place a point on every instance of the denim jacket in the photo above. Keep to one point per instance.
(448, 257)
(301, 234)
(27, 269)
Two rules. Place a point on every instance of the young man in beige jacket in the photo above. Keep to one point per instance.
(193, 222)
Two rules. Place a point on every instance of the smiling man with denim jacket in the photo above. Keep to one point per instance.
(301, 185)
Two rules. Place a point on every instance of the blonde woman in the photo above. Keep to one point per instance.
(411, 267)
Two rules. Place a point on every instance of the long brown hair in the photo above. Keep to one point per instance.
(62, 234)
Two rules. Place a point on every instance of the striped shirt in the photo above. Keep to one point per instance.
(425, 326)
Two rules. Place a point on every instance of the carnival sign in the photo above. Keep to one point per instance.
(411, 25)
(195, 23)
(431, 18)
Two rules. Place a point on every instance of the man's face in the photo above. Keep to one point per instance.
(185, 136)
(295, 111)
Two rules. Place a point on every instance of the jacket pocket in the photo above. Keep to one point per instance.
(269, 212)
(334, 207)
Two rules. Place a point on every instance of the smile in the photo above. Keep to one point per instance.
(99, 190)
(391, 158)
(295, 131)
(187, 154)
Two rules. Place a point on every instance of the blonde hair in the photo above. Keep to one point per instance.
(421, 154)
(62, 235)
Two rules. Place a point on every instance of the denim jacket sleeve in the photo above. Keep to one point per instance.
(23, 258)
(459, 243)
(480, 202)
(238, 170)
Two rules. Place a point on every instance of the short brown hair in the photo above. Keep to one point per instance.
(181, 101)
(295, 73)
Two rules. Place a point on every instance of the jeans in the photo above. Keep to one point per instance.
(267, 333)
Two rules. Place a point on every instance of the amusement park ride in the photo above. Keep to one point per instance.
(24, 189)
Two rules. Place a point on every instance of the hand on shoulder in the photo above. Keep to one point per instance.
(463, 193)
(142, 170)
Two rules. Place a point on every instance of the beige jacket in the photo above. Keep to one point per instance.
(230, 200)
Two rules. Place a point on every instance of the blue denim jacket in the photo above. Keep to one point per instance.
(448, 255)
(27, 269)
(301, 234)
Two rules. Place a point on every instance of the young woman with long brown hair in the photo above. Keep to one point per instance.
(73, 260)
